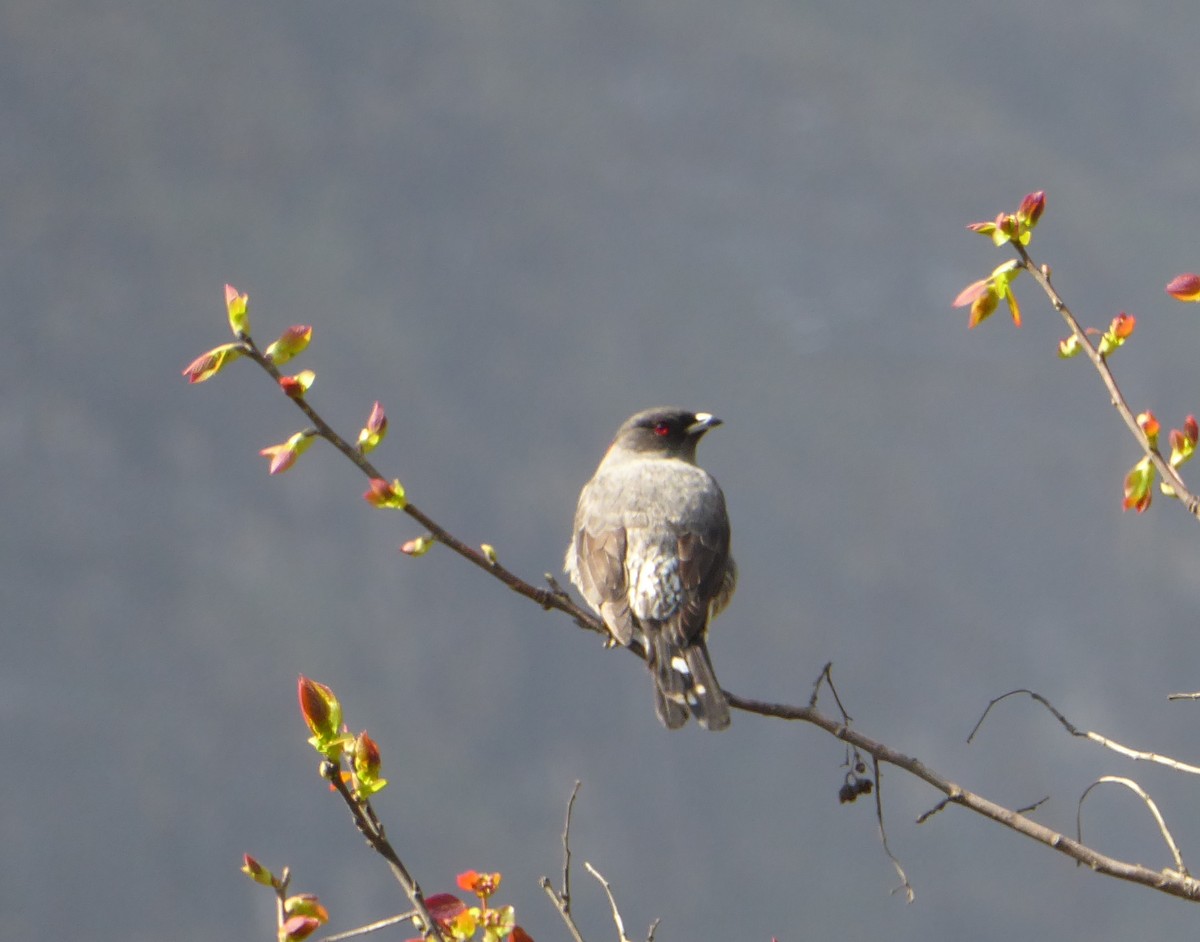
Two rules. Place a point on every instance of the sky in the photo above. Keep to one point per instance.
(514, 224)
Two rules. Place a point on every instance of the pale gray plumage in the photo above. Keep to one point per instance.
(650, 553)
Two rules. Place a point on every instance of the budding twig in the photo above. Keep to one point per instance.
(1041, 274)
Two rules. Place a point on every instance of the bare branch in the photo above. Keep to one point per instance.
(1166, 881)
(1140, 792)
(826, 677)
(562, 900)
(372, 927)
(566, 840)
(1136, 754)
(616, 913)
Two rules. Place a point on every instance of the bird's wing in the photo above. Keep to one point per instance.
(600, 561)
(703, 567)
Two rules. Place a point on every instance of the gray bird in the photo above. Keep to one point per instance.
(650, 554)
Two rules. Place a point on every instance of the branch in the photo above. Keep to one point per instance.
(368, 929)
(1135, 754)
(1137, 790)
(562, 899)
(1167, 881)
(1172, 882)
(546, 598)
(372, 829)
(616, 913)
(1041, 274)
(904, 884)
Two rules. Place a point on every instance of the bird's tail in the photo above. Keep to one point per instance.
(684, 682)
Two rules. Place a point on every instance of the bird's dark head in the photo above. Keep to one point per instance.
(664, 432)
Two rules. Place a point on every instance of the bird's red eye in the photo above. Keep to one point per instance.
(662, 429)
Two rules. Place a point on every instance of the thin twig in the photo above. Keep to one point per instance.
(372, 927)
(1041, 274)
(1027, 809)
(616, 913)
(909, 894)
(926, 815)
(368, 824)
(1135, 754)
(1140, 792)
(566, 841)
(562, 900)
(826, 676)
(281, 888)
(546, 598)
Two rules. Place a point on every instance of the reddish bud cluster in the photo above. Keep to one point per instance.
(460, 922)
(984, 296)
(1120, 330)
(302, 914)
(482, 885)
(1014, 227)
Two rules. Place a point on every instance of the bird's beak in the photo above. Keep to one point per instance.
(704, 421)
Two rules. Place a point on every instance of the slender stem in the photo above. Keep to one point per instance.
(1041, 274)
(368, 824)
(546, 598)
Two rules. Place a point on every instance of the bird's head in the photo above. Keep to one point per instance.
(664, 432)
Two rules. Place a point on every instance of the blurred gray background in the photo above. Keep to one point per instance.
(515, 223)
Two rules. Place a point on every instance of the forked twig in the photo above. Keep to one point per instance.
(562, 899)
(1140, 792)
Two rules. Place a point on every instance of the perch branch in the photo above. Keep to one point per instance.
(1172, 882)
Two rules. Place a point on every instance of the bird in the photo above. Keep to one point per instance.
(650, 554)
